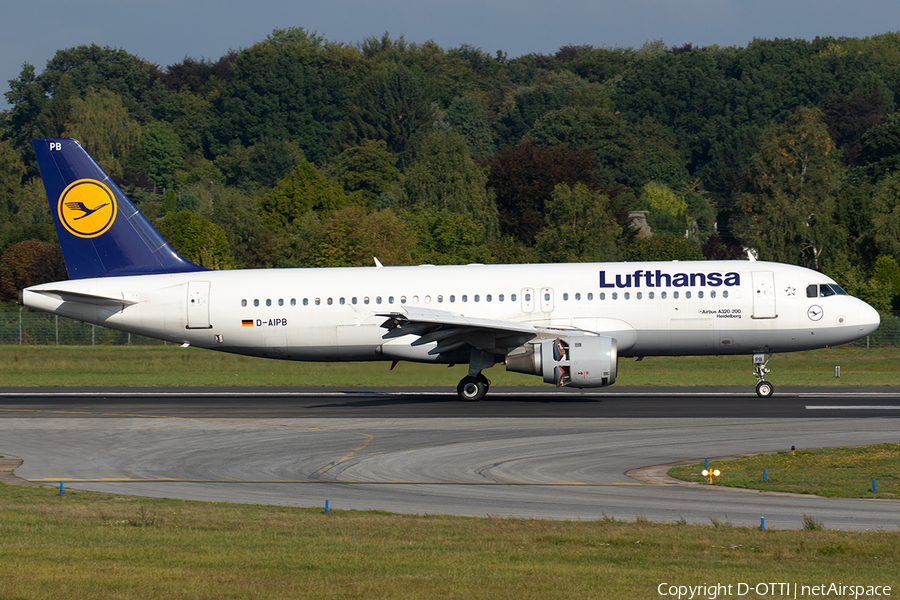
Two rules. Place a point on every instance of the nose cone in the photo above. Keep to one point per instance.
(869, 319)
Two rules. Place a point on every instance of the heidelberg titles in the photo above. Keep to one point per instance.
(658, 279)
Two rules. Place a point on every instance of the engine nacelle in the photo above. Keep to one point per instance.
(581, 362)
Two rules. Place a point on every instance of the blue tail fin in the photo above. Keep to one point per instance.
(100, 231)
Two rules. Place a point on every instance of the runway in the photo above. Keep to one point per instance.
(523, 452)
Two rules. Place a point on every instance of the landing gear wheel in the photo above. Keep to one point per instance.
(472, 389)
(764, 389)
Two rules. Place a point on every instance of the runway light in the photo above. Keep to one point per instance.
(711, 474)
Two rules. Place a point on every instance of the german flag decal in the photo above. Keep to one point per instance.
(247, 323)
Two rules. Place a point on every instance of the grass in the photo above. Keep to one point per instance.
(89, 545)
(174, 366)
(832, 472)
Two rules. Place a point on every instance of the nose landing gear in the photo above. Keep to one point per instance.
(764, 389)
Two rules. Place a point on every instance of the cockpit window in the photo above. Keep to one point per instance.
(824, 289)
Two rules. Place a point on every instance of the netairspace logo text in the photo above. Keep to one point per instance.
(774, 590)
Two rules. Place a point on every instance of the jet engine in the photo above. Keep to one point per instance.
(581, 362)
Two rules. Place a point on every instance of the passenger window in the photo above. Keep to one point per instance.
(293, 302)
(488, 298)
(578, 296)
(527, 297)
(465, 298)
(651, 295)
(615, 295)
(353, 300)
(390, 299)
(512, 297)
(700, 294)
(662, 295)
(500, 298)
(565, 296)
(452, 298)
(477, 297)
(341, 301)
(366, 300)
(440, 299)
(402, 300)
(639, 295)
(255, 302)
(687, 294)
(675, 295)
(603, 295)
(330, 301)
(712, 294)
(628, 295)
(243, 303)
(281, 302)
(318, 301)
(378, 300)
(590, 296)
(268, 302)
(725, 294)
(306, 302)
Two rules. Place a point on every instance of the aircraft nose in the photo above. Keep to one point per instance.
(869, 319)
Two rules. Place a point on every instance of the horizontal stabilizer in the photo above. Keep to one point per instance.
(80, 298)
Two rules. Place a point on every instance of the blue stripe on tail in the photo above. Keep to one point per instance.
(100, 231)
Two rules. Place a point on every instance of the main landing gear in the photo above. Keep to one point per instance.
(764, 389)
(474, 386)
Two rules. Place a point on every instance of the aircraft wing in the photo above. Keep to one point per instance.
(451, 331)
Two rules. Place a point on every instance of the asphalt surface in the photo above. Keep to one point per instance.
(523, 452)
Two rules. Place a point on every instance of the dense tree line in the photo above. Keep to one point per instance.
(299, 151)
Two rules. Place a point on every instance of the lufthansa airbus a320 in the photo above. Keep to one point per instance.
(566, 323)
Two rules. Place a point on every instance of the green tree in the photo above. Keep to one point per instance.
(578, 227)
(158, 154)
(397, 111)
(531, 103)
(886, 220)
(237, 213)
(292, 86)
(369, 169)
(791, 216)
(351, 237)
(269, 160)
(665, 247)
(28, 100)
(445, 237)
(101, 123)
(467, 117)
(197, 239)
(303, 190)
(12, 169)
(668, 210)
(887, 274)
(445, 176)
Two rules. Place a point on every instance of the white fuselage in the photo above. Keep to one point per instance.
(662, 308)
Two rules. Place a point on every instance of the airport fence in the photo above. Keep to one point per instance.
(30, 328)
(21, 326)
